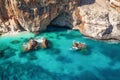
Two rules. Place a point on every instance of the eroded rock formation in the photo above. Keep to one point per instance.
(101, 19)
(32, 15)
(115, 4)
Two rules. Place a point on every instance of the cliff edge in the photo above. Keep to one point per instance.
(99, 19)
(33, 15)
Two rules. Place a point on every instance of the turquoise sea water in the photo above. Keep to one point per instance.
(99, 61)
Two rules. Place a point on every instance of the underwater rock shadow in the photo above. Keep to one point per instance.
(28, 71)
(110, 74)
(64, 59)
(113, 53)
(53, 50)
(30, 55)
(86, 75)
(15, 42)
(52, 28)
(7, 53)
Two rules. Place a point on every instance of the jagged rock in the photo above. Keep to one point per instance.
(33, 44)
(32, 15)
(115, 4)
(91, 17)
(78, 46)
(30, 45)
(99, 20)
(45, 43)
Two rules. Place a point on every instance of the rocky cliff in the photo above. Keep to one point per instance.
(33, 15)
(99, 19)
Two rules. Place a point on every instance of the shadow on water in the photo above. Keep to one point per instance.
(30, 55)
(28, 71)
(86, 51)
(112, 51)
(53, 28)
(110, 74)
(17, 71)
(53, 50)
(63, 59)
(15, 42)
(86, 75)
(86, 2)
(7, 53)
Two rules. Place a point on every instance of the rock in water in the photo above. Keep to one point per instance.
(33, 44)
(45, 43)
(78, 46)
(30, 45)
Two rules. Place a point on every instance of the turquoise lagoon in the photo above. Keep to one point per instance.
(99, 61)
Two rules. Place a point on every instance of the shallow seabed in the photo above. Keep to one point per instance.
(99, 61)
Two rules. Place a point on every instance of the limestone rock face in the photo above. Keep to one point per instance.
(100, 20)
(115, 4)
(31, 15)
(64, 19)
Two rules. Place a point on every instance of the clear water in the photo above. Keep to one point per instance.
(99, 61)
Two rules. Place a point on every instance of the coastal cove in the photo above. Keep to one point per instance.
(99, 61)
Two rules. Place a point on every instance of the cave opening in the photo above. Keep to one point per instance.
(62, 22)
(55, 28)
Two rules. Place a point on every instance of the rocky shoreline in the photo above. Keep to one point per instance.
(98, 19)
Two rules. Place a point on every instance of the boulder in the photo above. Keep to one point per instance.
(35, 44)
(78, 45)
(45, 43)
(30, 45)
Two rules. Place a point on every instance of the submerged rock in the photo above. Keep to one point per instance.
(78, 45)
(15, 42)
(7, 53)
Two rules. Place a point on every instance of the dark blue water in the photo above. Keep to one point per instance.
(99, 61)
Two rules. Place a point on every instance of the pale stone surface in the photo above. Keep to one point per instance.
(100, 20)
